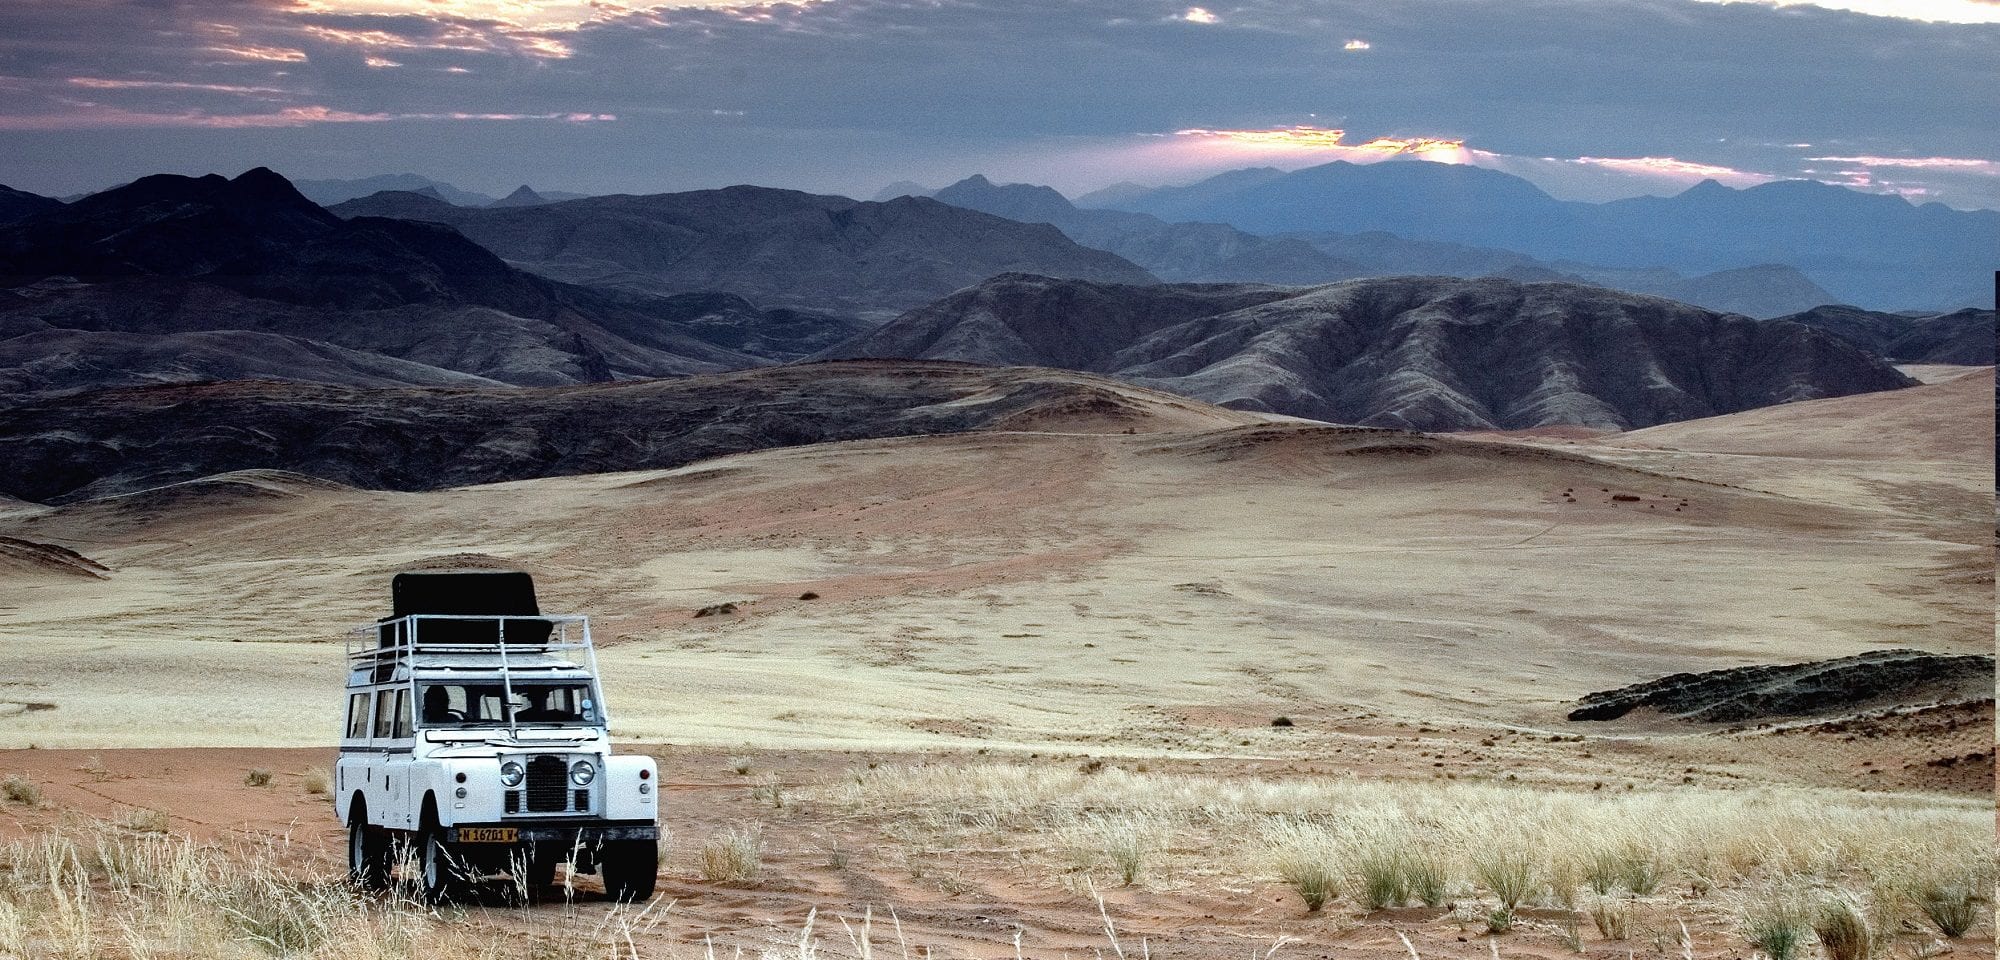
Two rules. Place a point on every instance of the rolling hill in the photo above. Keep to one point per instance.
(1423, 353)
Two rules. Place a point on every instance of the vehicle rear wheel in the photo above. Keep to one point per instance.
(367, 854)
(629, 868)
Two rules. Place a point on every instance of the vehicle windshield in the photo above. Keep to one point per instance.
(462, 706)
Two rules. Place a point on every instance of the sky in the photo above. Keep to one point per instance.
(1590, 99)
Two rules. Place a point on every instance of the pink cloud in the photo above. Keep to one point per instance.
(97, 115)
(1673, 168)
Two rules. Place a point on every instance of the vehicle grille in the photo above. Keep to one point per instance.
(548, 785)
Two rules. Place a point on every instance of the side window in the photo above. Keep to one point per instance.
(357, 717)
(387, 704)
(403, 706)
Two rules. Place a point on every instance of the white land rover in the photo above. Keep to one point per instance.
(477, 739)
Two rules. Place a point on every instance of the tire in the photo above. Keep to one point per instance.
(367, 853)
(630, 869)
(536, 877)
(440, 876)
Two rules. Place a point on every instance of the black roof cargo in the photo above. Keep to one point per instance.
(466, 593)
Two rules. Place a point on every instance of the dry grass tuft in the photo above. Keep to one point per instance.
(144, 820)
(1303, 858)
(1508, 870)
(318, 781)
(1612, 918)
(734, 856)
(1951, 906)
(1843, 931)
(1778, 926)
(19, 789)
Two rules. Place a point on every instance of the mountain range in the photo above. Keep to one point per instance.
(155, 269)
(1870, 249)
(1215, 252)
(777, 248)
(329, 192)
(176, 279)
(1421, 353)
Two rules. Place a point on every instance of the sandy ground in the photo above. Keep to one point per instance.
(1056, 591)
(1419, 607)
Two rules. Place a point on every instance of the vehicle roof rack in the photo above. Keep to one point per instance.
(469, 615)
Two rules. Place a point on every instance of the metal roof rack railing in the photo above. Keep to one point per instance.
(379, 648)
(397, 638)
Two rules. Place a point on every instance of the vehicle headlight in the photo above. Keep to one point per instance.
(582, 772)
(511, 774)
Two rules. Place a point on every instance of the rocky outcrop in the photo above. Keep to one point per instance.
(1818, 689)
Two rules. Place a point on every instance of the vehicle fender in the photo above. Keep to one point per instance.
(624, 775)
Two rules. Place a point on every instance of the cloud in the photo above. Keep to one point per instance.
(1063, 90)
(1988, 167)
(1672, 168)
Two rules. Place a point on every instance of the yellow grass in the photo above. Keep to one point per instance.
(1483, 836)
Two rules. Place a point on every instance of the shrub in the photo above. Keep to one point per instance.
(735, 856)
(1843, 931)
(1282, 722)
(20, 789)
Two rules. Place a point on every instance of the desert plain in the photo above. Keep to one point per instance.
(1096, 680)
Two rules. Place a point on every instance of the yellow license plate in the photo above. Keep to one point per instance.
(488, 835)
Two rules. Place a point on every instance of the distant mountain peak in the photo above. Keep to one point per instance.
(1708, 187)
(903, 188)
(523, 196)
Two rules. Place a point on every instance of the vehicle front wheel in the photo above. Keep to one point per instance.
(629, 868)
(440, 872)
(367, 855)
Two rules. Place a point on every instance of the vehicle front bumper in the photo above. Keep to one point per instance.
(567, 833)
